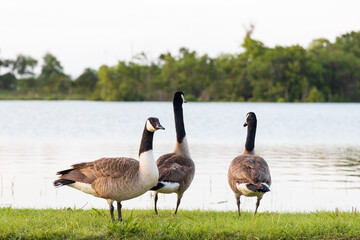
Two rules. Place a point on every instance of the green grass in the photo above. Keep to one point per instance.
(143, 224)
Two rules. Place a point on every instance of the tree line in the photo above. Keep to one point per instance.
(323, 72)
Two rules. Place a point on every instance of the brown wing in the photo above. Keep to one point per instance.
(174, 167)
(88, 172)
(249, 169)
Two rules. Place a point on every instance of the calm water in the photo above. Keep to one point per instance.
(313, 151)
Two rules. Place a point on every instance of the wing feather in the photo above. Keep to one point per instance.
(250, 169)
(88, 172)
(174, 167)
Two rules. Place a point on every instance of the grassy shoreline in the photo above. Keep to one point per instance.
(143, 224)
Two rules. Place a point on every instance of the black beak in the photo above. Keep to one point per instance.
(158, 126)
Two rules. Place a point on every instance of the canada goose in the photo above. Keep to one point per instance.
(117, 179)
(177, 169)
(249, 175)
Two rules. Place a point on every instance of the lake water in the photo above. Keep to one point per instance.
(313, 151)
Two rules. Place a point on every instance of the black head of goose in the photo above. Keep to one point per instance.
(248, 174)
(176, 169)
(117, 179)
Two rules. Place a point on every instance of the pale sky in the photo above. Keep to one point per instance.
(89, 33)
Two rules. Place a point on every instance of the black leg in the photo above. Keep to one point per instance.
(178, 203)
(257, 204)
(111, 207)
(238, 204)
(119, 211)
(155, 201)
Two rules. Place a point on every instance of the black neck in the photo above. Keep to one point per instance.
(250, 138)
(179, 121)
(146, 141)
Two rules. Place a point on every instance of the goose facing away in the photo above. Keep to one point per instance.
(176, 169)
(116, 179)
(248, 174)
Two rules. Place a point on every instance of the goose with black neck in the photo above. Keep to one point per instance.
(117, 179)
(248, 174)
(176, 169)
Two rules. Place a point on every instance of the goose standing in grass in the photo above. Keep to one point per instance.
(249, 175)
(117, 179)
(177, 169)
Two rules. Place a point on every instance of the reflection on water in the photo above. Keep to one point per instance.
(313, 151)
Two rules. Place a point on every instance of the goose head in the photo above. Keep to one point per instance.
(153, 124)
(250, 117)
(179, 98)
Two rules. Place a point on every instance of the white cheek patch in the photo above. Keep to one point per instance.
(247, 116)
(150, 127)
(182, 96)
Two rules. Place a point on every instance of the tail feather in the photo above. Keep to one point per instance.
(63, 172)
(258, 188)
(63, 182)
(157, 187)
(74, 167)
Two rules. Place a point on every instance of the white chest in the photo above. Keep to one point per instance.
(149, 172)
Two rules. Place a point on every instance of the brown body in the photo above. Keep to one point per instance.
(248, 169)
(117, 179)
(111, 178)
(178, 168)
(248, 174)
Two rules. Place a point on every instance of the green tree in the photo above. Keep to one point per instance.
(52, 79)
(349, 42)
(24, 65)
(168, 79)
(85, 84)
(253, 48)
(315, 95)
(120, 83)
(325, 71)
(8, 81)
